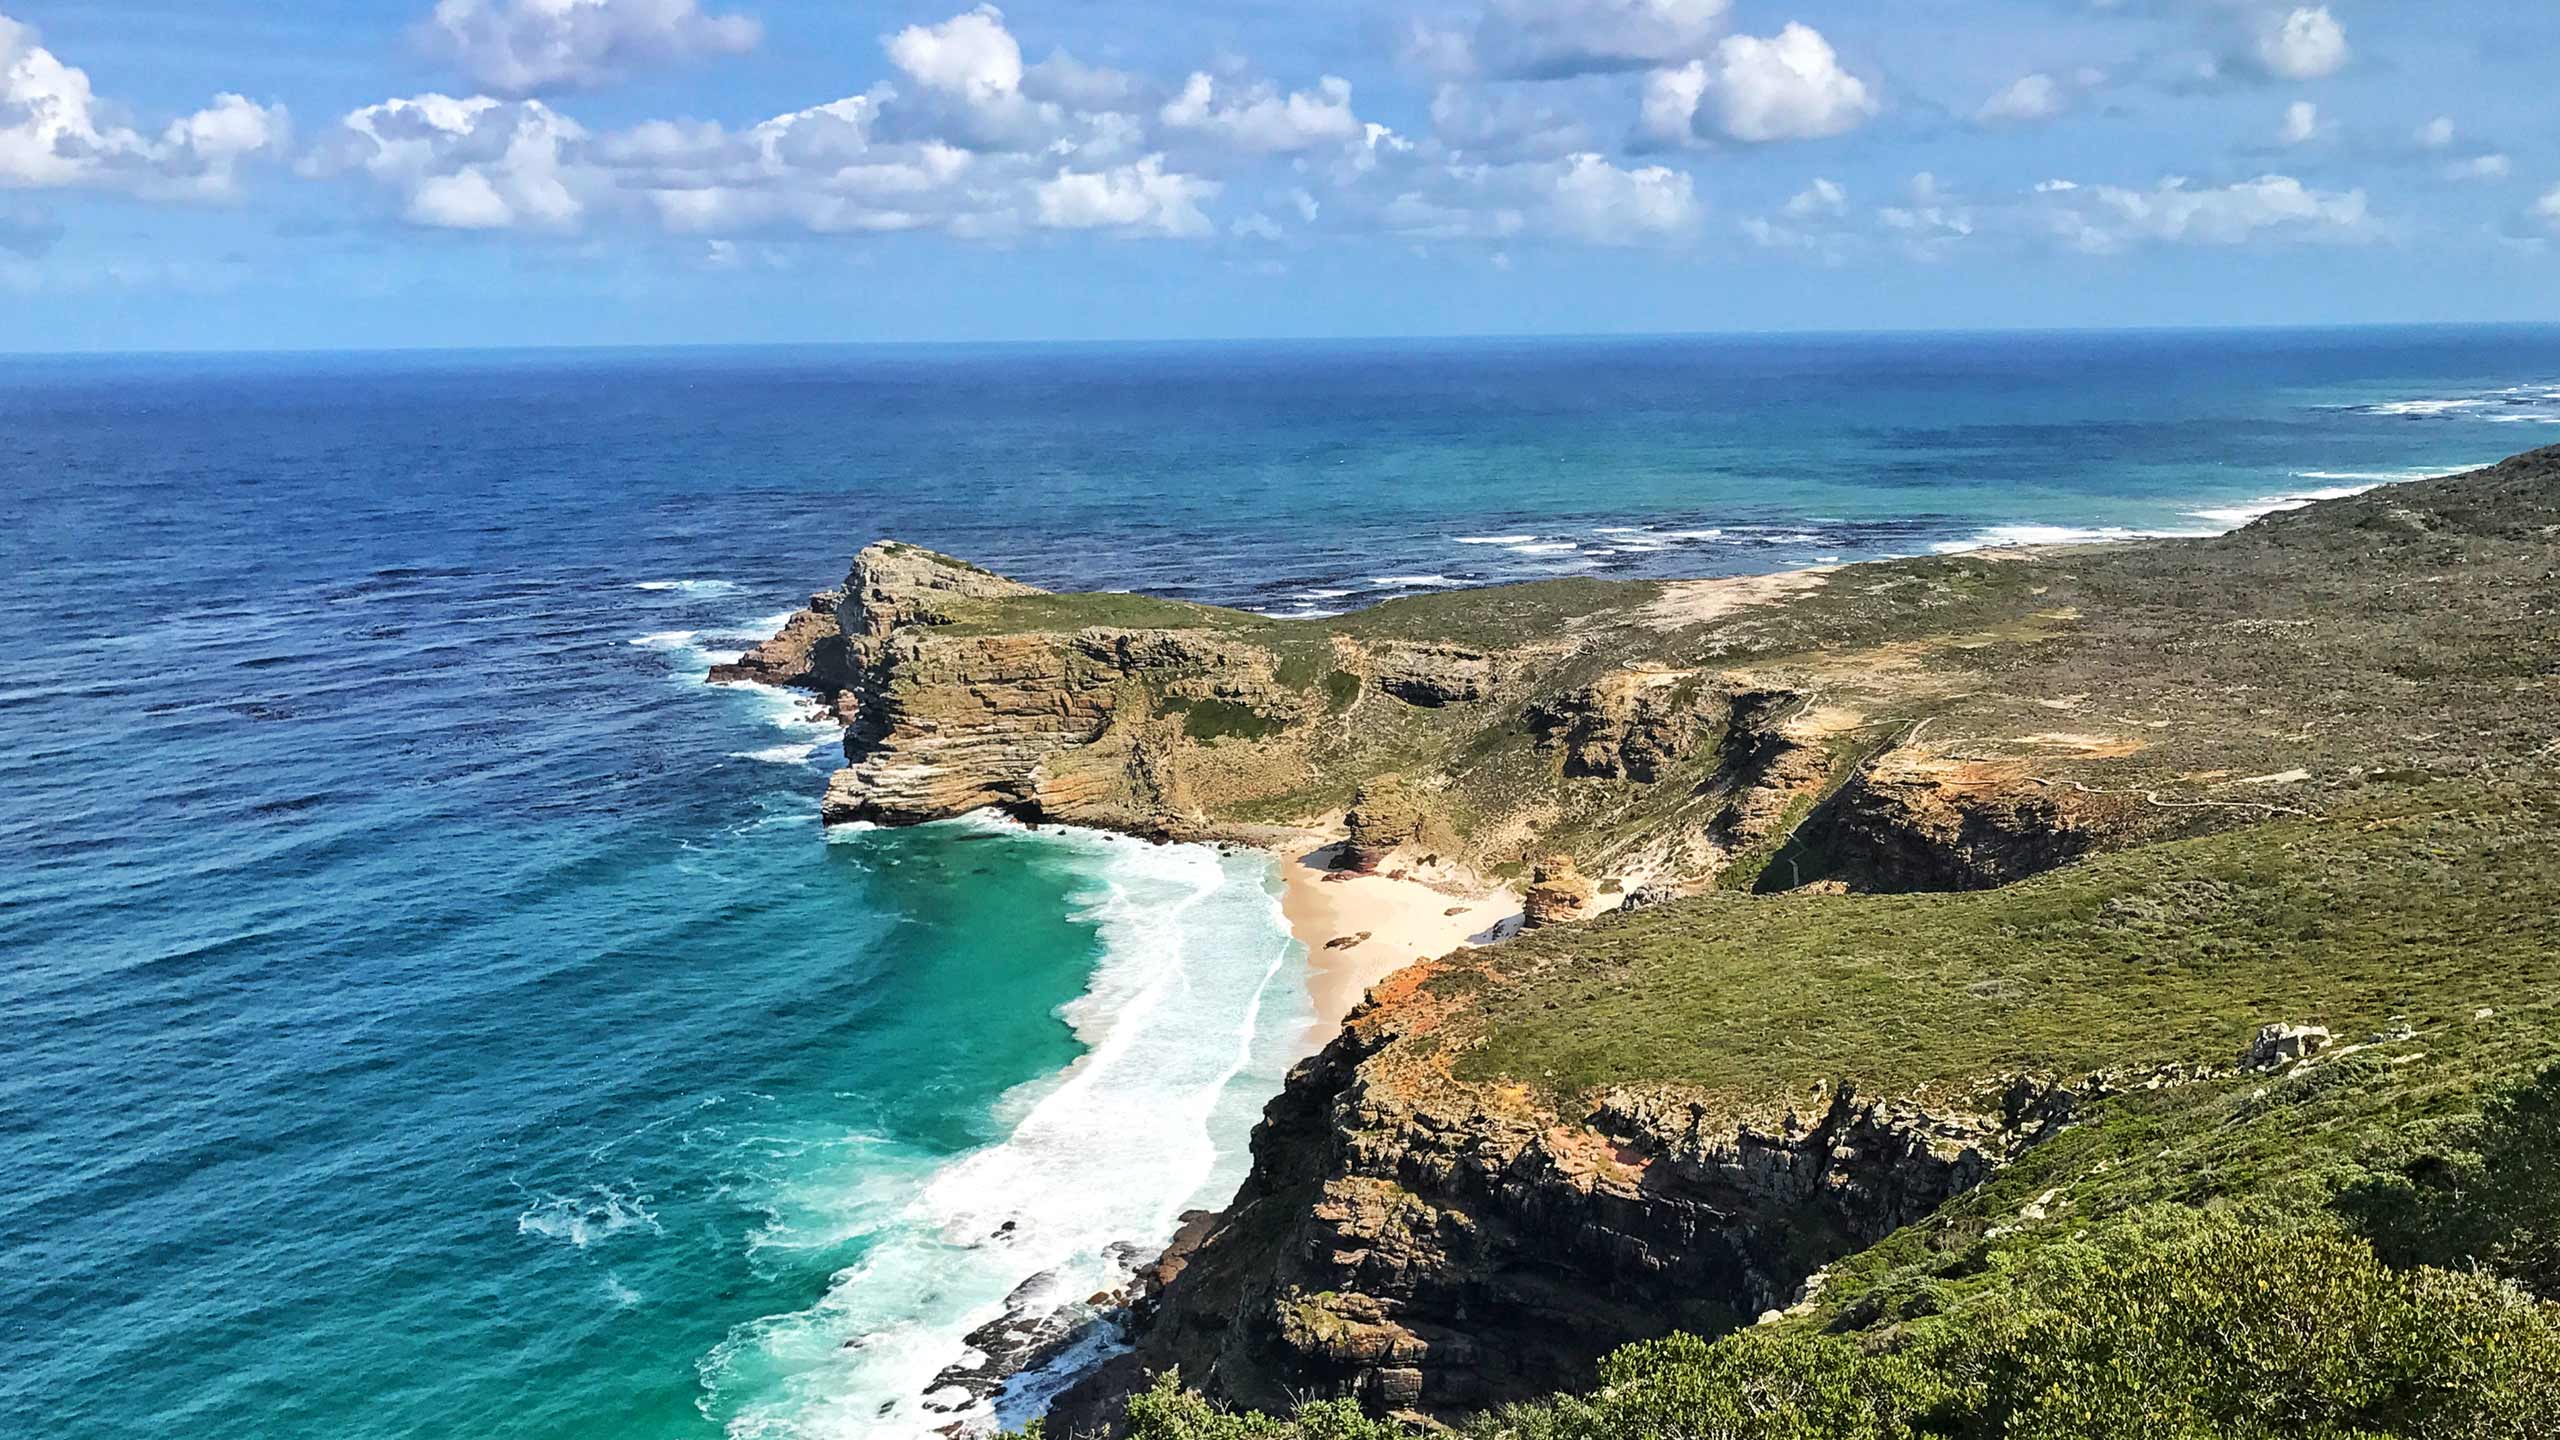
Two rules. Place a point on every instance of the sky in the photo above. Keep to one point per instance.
(221, 174)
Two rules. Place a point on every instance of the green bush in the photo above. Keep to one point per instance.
(2490, 1194)
(2170, 1324)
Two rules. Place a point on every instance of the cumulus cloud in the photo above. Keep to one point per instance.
(1930, 221)
(55, 132)
(2481, 169)
(466, 164)
(2301, 124)
(1822, 198)
(1260, 119)
(516, 47)
(971, 56)
(2436, 134)
(1138, 199)
(1504, 124)
(1550, 39)
(1787, 87)
(1809, 219)
(2028, 98)
(2547, 210)
(1596, 201)
(2106, 219)
(2305, 43)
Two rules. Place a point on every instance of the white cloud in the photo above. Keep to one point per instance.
(2303, 44)
(1787, 87)
(55, 132)
(970, 55)
(1138, 199)
(467, 164)
(2030, 97)
(1823, 198)
(1550, 39)
(2436, 134)
(1930, 221)
(2301, 124)
(1261, 119)
(2480, 168)
(516, 47)
(1670, 107)
(1504, 123)
(2105, 219)
(2547, 209)
(1598, 202)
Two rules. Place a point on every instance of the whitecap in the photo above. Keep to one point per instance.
(1410, 581)
(582, 1220)
(1493, 539)
(1189, 1019)
(1322, 594)
(1550, 547)
(801, 754)
(2003, 536)
(689, 587)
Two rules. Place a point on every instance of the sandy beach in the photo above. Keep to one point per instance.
(1420, 916)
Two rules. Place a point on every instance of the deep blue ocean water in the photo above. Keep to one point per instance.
(432, 1012)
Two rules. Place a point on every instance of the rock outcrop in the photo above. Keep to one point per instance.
(1431, 675)
(1557, 893)
(809, 652)
(1384, 817)
(2279, 1045)
(1633, 725)
(1432, 1248)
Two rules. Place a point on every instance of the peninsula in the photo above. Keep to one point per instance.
(1942, 974)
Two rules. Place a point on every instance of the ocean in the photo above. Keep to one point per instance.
(432, 1011)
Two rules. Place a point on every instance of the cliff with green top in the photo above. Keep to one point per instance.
(2057, 992)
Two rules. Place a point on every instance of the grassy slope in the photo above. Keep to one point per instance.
(2399, 650)
(2422, 902)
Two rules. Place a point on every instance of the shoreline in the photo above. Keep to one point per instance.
(1358, 929)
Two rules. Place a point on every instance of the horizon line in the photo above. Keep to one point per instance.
(1415, 338)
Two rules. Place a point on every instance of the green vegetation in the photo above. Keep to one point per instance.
(1223, 720)
(1017, 614)
(2419, 904)
(2165, 1323)
(2257, 1314)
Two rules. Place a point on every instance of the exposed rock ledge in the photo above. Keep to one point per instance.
(1431, 1247)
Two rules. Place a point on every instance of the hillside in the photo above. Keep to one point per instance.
(1959, 890)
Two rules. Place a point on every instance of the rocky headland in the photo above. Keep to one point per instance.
(1858, 900)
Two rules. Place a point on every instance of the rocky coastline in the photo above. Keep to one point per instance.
(1430, 1227)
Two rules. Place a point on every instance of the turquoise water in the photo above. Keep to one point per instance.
(432, 1012)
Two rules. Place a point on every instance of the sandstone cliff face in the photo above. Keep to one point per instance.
(809, 652)
(964, 690)
(1557, 893)
(1426, 1246)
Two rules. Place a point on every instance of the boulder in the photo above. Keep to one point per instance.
(1557, 892)
(2276, 1046)
(1384, 816)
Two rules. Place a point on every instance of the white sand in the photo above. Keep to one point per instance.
(1420, 917)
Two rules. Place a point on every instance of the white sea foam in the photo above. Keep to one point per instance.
(1389, 582)
(1322, 594)
(2232, 517)
(689, 587)
(2535, 404)
(1188, 1021)
(1548, 547)
(584, 1219)
(1494, 539)
(2001, 536)
(797, 754)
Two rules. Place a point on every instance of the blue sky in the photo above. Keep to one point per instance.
(211, 173)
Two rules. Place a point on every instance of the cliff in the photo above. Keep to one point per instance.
(1929, 868)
